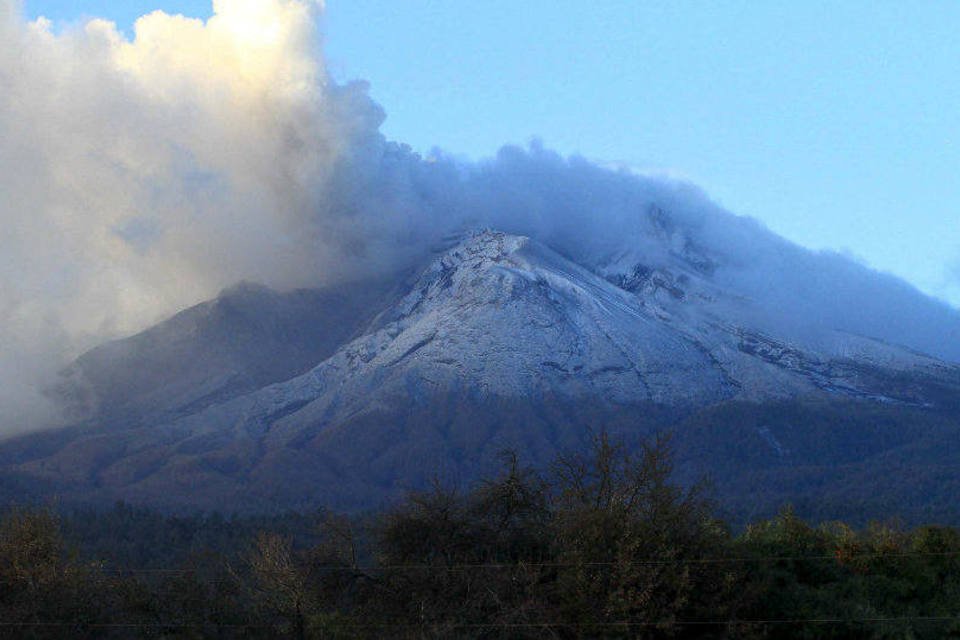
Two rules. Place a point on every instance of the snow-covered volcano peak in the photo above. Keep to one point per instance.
(497, 341)
(478, 254)
(483, 247)
(504, 316)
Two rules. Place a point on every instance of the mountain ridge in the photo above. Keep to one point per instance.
(499, 343)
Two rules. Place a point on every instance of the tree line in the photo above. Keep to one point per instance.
(600, 545)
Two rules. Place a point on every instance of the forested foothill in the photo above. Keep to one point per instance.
(598, 545)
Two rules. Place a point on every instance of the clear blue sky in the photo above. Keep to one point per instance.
(835, 123)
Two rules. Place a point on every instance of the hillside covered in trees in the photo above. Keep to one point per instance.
(603, 545)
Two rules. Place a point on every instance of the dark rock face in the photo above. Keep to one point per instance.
(246, 338)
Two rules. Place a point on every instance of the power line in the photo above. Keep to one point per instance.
(500, 625)
(613, 563)
(135, 625)
(659, 623)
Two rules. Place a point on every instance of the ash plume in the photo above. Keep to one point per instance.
(142, 175)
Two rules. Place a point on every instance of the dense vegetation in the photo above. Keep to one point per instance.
(602, 545)
(830, 459)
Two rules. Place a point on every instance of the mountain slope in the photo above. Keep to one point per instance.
(500, 343)
(246, 338)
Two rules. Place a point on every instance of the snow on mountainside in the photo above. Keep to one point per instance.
(500, 342)
(503, 315)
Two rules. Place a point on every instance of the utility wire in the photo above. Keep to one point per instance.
(642, 562)
(501, 625)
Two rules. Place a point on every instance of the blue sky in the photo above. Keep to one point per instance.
(836, 124)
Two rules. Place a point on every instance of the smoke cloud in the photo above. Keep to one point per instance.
(140, 176)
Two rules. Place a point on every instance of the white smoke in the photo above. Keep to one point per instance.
(139, 176)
